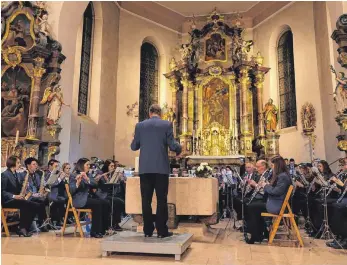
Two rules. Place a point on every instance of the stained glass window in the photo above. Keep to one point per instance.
(286, 77)
(87, 39)
(148, 79)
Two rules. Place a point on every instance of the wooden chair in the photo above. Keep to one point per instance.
(76, 213)
(278, 217)
(5, 224)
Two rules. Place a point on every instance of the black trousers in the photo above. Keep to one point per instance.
(57, 210)
(28, 210)
(317, 213)
(338, 221)
(118, 209)
(299, 204)
(255, 223)
(100, 213)
(159, 183)
(41, 213)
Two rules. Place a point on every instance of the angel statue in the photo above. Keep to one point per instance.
(340, 93)
(308, 117)
(43, 24)
(54, 96)
(271, 116)
(185, 51)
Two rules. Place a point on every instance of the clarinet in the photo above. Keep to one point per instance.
(334, 185)
(342, 196)
(257, 188)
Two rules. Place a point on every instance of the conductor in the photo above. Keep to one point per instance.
(153, 137)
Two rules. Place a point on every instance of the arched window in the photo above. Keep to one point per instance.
(286, 76)
(148, 79)
(86, 56)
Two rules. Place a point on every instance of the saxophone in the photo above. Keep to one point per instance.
(42, 191)
(25, 187)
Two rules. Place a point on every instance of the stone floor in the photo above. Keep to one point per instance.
(228, 248)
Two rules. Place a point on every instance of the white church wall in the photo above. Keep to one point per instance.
(96, 137)
(132, 33)
(299, 18)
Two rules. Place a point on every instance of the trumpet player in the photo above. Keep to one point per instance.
(276, 190)
(35, 182)
(11, 196)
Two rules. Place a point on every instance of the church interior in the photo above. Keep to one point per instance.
(242, 83)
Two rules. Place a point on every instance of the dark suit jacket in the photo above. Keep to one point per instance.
(277, 193)
(10, 185)
(80, 194)
(153, 137)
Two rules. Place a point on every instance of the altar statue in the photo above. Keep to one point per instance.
(340, 93)
(55, 98)
(271, 116)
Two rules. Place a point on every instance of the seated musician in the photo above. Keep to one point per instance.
(58, 195)
(80, 183)
(338, 221)
(317, 212)
(35, 187)
(276, 191)
(13, 196)
(53, 165)
(112, 194)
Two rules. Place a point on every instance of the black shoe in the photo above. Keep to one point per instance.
(44, 229)
(149, 235)
(331, 243)
(167, 235)
(117, 228)
(23, 232)
(96, 235)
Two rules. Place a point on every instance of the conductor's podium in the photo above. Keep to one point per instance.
(187, 196)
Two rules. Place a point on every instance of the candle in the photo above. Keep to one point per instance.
(17, 137)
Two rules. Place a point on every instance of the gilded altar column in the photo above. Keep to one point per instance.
(190, 107)
(233, 119)
(38, 71)
(173, 85)
(259, 84)
(185, 138)
(246, 115)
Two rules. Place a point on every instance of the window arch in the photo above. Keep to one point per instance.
(148, 79)
(286, 75)
(86, 56)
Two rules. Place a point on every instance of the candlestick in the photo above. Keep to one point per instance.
(17, 138)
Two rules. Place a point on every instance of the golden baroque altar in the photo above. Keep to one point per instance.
(217, 93)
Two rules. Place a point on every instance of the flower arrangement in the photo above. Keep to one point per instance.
(204, 171)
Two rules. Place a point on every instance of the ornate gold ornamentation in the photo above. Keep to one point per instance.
(259, 59)
(342, 145)
(271, 116)
(173, 64)
(51, 151)
(215, 70)
(12, 56)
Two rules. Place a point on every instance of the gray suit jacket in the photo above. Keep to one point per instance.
(277, 193)
(153, 137)
(80, 194)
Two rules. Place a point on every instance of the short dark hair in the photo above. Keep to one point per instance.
(80, 164)
(52, 161)
(291, 160)
(11, 161)
(155, 109)
(285, 159)
(228, 167)
(29, 160)
(107, 163)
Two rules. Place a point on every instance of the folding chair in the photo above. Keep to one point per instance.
(76, 213)
(5, 224)
(278, 217)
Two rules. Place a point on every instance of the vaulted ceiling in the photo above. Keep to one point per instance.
(173, 14)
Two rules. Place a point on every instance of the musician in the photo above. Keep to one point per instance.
(80, 183)
(53, 165)
(291, 166)
(338, 221)
(11, 196)
(317, 212)
(276, 191)
(118, 203)
(35, 175)
(58, 194)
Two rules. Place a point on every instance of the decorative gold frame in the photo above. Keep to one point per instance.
(32, 24)
(223, 36)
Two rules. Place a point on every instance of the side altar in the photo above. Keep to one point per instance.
(217, 95)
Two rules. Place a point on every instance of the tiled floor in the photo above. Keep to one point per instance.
(228, 248)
